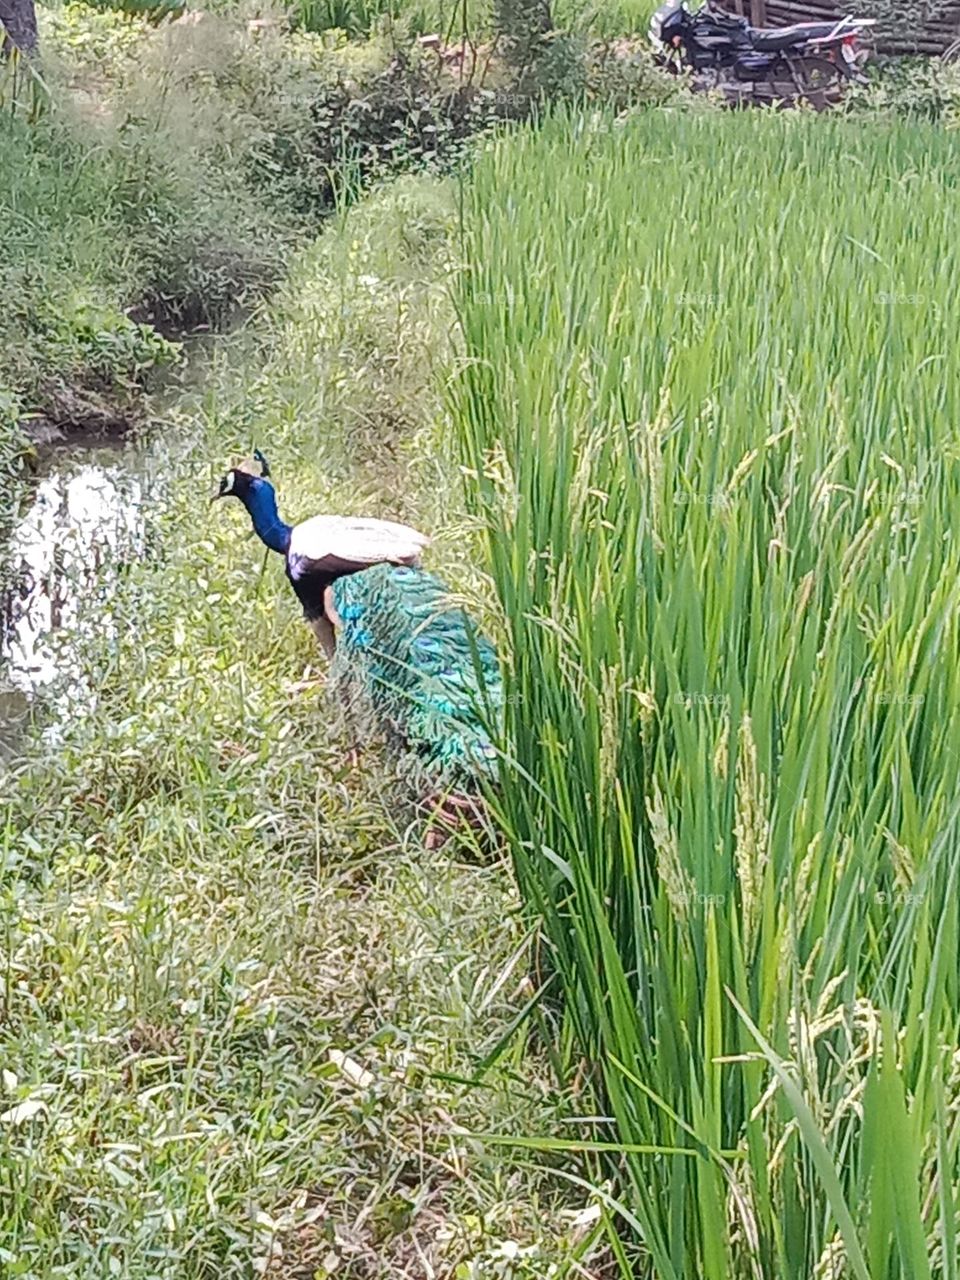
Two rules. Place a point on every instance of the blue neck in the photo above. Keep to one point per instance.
(261, 501)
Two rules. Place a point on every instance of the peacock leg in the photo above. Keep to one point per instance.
(322, 628)
(450, 811)
(330, 609)
(436, 838)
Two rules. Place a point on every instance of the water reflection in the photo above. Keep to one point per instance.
(83, 523)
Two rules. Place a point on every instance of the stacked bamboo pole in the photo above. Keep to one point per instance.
(931, 35)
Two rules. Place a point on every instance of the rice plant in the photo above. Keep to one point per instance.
(709, 414)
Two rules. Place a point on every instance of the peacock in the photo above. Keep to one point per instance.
(393, 631)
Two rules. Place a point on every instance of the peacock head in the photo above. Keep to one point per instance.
(257, 495)
(239, 481)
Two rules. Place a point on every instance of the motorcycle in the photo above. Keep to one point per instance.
(810, 61)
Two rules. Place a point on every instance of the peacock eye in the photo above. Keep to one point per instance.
(226, 484)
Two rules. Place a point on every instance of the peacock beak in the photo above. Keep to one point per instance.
(216, 494)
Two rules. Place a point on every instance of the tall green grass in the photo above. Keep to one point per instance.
(362, 17)
(710, 405)
(604, 17)
(455, 18)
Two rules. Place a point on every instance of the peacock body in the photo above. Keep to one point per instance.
(394, 632)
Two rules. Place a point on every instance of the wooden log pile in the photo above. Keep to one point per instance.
(931, 28)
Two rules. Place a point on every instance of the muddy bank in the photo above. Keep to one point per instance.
(79, 415)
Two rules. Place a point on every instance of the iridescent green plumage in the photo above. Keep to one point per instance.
(430, 676)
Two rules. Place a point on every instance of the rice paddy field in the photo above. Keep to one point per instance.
(675, 393)
(709, 414)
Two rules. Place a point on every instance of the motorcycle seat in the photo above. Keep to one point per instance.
(770, 40)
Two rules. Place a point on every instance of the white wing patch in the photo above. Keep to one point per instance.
(355, 539)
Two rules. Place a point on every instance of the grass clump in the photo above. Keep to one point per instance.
(62, 261)
(713, 445)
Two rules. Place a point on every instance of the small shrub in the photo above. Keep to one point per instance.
(916, 88)
(622, 74)
(102, 343)
(82, 39)
(404, 117)
(374, 110)
(546, 62)
(205, 280)
(90, 366)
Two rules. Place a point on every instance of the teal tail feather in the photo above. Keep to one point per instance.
(430, 676)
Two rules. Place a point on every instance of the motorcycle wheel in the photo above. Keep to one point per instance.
(817, 81)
